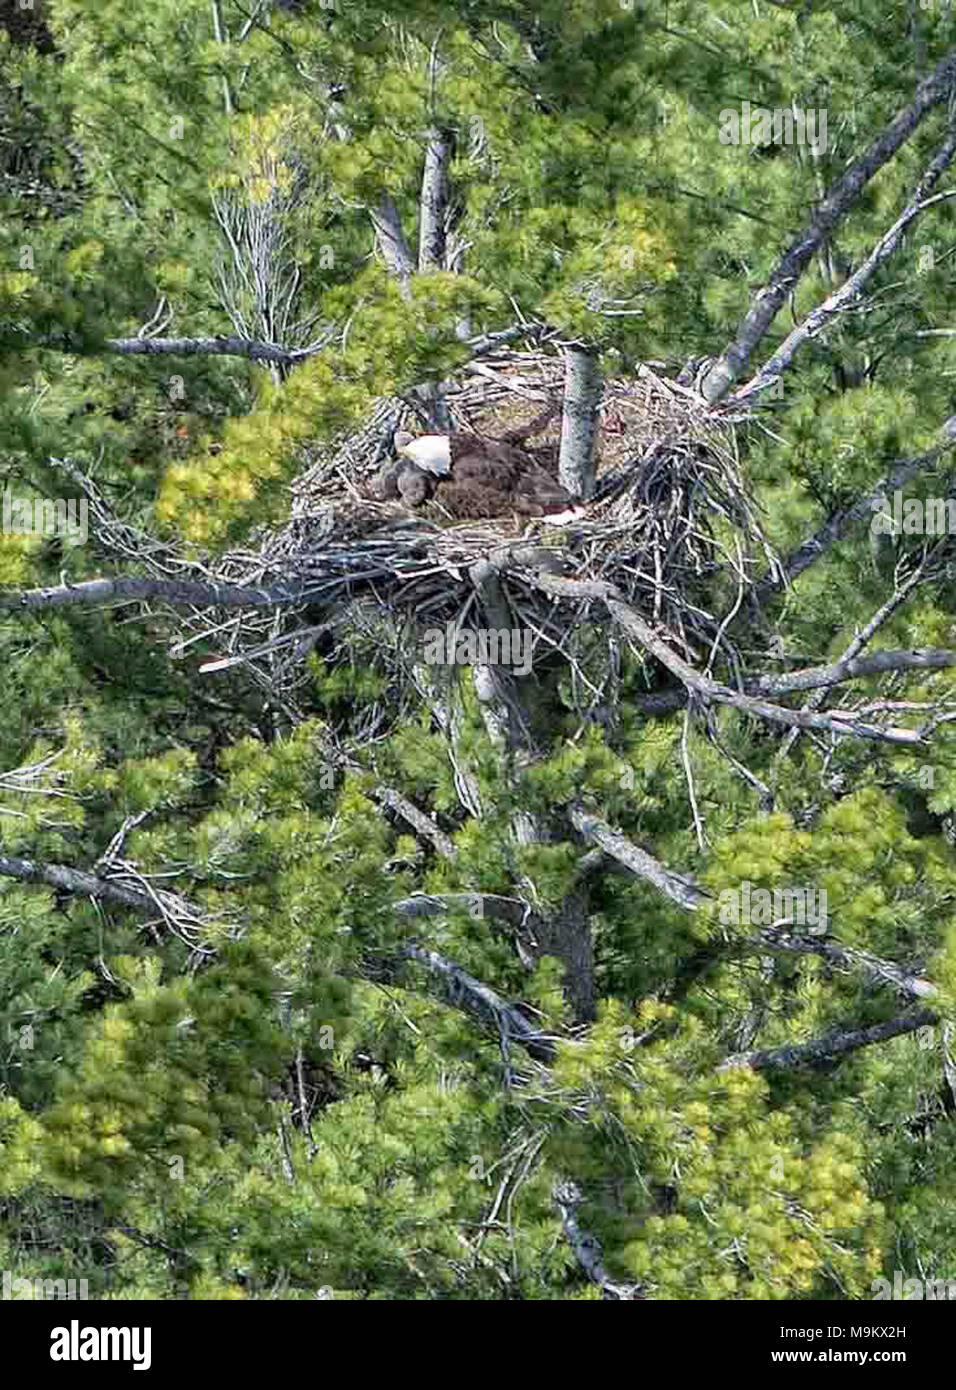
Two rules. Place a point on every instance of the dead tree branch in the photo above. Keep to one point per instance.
(819, 677)
(732, 364)
(423, 825)
(587, 1248)
(680, 888)
(463, 991)
(702, 687)
(172, 591)
(830, 1047)
(848, 957)
(809, 551)
(850, 292)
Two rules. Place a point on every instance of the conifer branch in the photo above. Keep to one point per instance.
(480, 1000)
(733, 362)
(702, 687)
(830, 1047)
(850, 957)
(683, 890)
(393, 800)
(808, 552)
(460, 988)
(850, 291)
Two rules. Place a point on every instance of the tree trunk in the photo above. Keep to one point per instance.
(582, 396)
(433, 204)
(432, 237)
(391, 242)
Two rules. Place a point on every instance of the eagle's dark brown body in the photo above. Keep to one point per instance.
(485, 478)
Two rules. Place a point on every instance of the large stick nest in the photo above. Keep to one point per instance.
(670, 525)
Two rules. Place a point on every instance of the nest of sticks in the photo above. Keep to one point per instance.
(670, 526)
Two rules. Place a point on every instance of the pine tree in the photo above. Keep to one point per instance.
(439, 983)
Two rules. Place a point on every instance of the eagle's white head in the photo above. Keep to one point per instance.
(431, 452)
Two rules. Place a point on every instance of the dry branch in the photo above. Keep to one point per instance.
(850, 292)
(510, 910)
(830, 1047)
(818, 677)
(852, 668)
(465, 992)
(680, 888)
(173, 591)
(587, 1248)
(934, 90)
(423, 825)
(849, 957)
(809, 551)
(711, 691)
(180, 916)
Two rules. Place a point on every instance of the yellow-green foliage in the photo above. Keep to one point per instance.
(756, 1212)
(390, 343)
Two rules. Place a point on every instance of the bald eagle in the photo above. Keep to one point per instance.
(469, 478)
